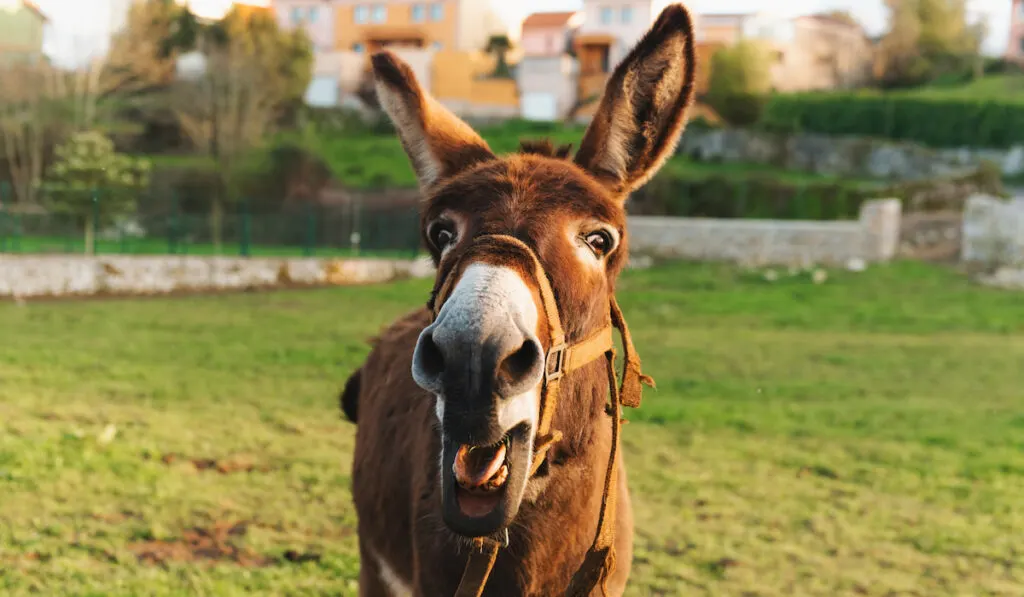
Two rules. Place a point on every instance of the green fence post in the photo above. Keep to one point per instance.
(356, 238)
(123, 238)
(4, 198)
(841, 197)
(800, 205)
(310, 238)
(172, 226)
(95, 221)
(70, 228)
(16, 238)
(244, 239)
(742, 190)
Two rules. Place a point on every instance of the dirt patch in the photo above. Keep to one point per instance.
(239, 463)
(218, 543)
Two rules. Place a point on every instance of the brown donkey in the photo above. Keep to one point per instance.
(486, 458)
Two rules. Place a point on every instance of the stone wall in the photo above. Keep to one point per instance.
(874, 237)
(852, 157)
(993, 232)
(68, 275)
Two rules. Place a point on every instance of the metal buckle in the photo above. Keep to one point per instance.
(554, 365)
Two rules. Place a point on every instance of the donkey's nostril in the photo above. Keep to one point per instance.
(431, 359)
(519, 370)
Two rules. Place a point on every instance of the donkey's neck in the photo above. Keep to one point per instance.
(582, 418)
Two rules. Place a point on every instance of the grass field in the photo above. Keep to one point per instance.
(864, 436)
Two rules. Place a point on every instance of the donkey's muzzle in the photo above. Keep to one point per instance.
(471, 363)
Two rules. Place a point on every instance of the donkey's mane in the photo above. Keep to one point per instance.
(544, 147)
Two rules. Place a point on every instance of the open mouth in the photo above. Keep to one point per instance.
(482, 485)
(481, 474)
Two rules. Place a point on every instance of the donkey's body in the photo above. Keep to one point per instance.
(485, 416)
(404, 545)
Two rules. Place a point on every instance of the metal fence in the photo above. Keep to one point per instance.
(357, 228)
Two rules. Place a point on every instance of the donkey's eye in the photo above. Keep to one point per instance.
(600, 242)
(441, 235)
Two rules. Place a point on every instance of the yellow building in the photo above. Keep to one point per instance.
(21, 32)
(368, 25)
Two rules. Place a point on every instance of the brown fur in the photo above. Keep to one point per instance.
(533, 196)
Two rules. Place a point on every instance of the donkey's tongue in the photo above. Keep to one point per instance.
(475, 467)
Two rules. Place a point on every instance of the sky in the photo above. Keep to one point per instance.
(79, 28)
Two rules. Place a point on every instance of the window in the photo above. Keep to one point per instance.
(380, 13)
(1021, 42)
(606, 16)
(357, 48)
(436, 11)
(296, 15)
(419, 12)
(361, 14)
(311, 14)
(627, 14)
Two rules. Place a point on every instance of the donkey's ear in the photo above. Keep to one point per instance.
(643, 110)
(439, 144)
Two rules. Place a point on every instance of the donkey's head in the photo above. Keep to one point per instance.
(495, 226)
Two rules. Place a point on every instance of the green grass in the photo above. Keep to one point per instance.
(1009, 86)
(369, 161)
(859, 437)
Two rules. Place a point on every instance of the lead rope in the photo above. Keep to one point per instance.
(599, 562)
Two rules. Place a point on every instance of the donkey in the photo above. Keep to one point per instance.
(486, 458)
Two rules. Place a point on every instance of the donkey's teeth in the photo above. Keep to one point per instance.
(480, 468)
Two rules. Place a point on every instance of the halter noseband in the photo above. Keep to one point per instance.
(562, 358)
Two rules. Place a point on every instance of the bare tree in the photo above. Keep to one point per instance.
(29, 103)
(227, 109)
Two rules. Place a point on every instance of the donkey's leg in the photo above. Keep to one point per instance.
(377, 578)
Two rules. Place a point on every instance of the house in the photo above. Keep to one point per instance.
(22, 25)
(317, 18)
(368, 25)
(813, 52)
(1015, 46)
(609, 31)
(442, 40)
(546, 74)
(548, 34)
(724, 29)
(556, 83)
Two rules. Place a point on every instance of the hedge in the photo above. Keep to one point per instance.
(755, 197)
(766, 197)
(932, 120)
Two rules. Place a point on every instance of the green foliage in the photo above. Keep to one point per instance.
(86, 164)
(499, 45)
(286, 57)
(936, 120)
(928, 39)
(740, 77)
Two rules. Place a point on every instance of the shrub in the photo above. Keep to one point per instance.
(740, 77)
(933, 120)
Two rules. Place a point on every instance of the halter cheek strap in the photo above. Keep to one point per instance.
(561, 359)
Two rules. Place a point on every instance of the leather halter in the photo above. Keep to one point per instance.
(560, 359)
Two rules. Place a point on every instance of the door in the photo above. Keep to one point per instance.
(539, 106)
